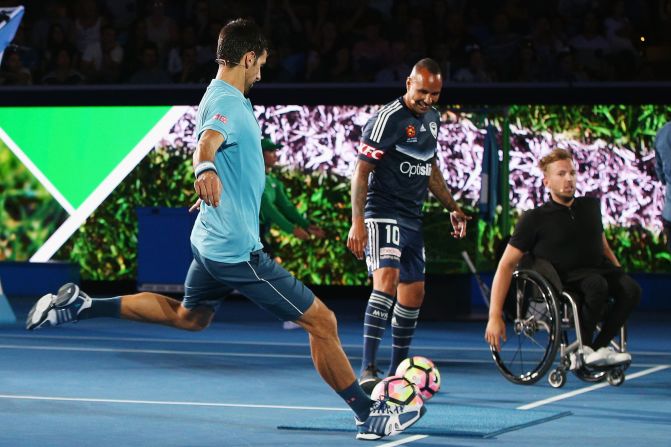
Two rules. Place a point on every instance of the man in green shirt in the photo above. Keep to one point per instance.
(276, 208)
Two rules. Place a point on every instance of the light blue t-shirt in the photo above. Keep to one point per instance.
(230, 232)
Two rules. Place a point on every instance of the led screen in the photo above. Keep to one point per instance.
(611, 144)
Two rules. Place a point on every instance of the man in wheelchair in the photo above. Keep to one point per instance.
(567, 231)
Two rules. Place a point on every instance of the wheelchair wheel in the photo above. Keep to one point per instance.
(533, 329)
(557, 378)
(587, 375)
(616, 376)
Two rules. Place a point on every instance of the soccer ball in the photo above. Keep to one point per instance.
(423, 373)
(397, 391)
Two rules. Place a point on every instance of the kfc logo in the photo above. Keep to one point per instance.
(370, 151)
(410, 131)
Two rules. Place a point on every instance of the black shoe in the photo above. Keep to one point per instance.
(369, 378)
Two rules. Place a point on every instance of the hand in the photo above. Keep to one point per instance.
(195, 206)
(357, 238)
(208, 187)
(496, 330)
(301, 234)
(459, 221)
(316, 231)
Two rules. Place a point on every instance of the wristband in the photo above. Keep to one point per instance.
(204, 166)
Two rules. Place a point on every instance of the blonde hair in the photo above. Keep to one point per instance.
(555, 155)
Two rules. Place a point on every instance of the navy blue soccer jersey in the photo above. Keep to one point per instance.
(402, 147)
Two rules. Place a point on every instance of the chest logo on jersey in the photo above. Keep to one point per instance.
(434, 129)
(410, 131)
(370, 151)
(220, 117)
(423, 169)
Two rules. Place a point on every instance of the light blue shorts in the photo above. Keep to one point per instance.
(260, 279)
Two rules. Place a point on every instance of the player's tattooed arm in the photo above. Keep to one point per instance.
(360, 187)
(357, 237)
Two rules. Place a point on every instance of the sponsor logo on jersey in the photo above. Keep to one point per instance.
(220, 117)
(411, 170)
(434, 129)
(370, 151)
(410, 131)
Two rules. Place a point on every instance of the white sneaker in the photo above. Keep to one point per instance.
(596, 358)
(58, 309)
(617, 358)
(388, 420)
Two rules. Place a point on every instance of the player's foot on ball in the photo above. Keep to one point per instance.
(369, 378)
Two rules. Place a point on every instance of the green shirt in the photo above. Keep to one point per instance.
(277, 209)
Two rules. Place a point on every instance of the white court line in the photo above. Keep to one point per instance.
(577, 392)
(232, 354)
(151, 351)
(403, 441)
(206, 353)
(263, 343)
(168, 402)
(232, 342)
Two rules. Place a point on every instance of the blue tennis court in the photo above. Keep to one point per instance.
(247, 382)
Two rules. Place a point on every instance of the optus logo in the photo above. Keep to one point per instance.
(411, 170)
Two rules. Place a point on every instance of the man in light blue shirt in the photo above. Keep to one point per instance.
(230, 177)
(229, 231)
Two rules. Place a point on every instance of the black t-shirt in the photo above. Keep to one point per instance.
(569, 237)
(402, 147)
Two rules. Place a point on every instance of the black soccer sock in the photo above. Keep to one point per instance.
(403, 325)
(102, 307)
(374, 324)
(357, 400)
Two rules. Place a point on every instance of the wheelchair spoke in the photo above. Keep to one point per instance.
(534, 323)
(535, 342)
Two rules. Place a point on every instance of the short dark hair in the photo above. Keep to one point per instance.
(429, 65)
(238, 37)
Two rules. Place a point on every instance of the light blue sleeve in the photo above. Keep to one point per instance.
(220, 115)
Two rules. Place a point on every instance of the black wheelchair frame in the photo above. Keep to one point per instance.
(541, 320)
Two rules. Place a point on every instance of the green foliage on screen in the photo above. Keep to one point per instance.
(632, 126)
(106, 245)
(28, 213)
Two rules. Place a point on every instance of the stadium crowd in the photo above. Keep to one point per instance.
(168, 41)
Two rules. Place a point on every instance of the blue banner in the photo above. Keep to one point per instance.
(489, 188)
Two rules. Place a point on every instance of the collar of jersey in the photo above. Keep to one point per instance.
(228, 87)
(558, 206)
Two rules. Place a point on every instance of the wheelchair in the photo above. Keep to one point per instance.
(541, 320)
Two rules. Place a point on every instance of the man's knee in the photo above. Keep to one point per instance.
(595, 288)
(630, 291)
(386, 280)
(194, 320)
(319, 320)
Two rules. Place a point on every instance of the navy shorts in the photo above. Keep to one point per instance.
(260, 279)
(390, 245)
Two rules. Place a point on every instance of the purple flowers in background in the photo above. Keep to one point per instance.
(326, 138)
